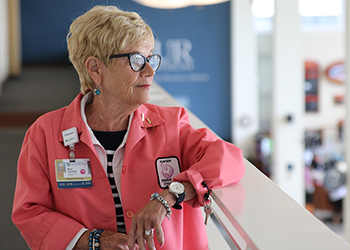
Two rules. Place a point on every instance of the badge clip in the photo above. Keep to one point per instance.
(71, 153)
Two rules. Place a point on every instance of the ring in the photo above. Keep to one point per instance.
(148, 232)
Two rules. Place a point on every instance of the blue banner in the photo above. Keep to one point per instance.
(194, 43)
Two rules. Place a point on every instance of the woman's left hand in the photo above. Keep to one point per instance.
(150, 217)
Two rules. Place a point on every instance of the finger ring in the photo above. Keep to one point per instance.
(148, 232)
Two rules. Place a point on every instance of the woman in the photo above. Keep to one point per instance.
(120, 153)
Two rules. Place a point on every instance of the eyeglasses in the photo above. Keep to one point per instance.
(137, 61)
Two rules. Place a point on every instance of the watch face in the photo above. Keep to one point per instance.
(177, 188)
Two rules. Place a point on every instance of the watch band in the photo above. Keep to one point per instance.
(180, 199)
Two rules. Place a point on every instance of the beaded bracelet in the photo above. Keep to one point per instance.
(94, 239)
(164, 202)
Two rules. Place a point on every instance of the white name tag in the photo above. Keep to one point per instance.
(167, 169)
(70, 136)
(76, 174)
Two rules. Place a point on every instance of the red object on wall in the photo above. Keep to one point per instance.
(311, 86)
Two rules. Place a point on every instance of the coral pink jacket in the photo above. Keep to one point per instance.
(49, 218)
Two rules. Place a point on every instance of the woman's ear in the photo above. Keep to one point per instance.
(92, 65)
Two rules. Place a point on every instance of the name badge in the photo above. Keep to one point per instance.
(167, 169)
(75, 174)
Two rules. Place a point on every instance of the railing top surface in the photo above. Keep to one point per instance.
(267, 218)
(264, 215)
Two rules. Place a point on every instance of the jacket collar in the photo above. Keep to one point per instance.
(145, 119)
(72, 118)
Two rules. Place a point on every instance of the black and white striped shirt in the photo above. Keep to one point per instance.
(111, 141)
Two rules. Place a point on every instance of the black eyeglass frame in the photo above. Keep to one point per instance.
(146, 59)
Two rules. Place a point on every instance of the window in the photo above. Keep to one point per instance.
(317, 15)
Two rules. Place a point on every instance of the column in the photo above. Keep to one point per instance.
(4, 43)
(288, 100)
(346, 204)
(244, 88)
(15, 48)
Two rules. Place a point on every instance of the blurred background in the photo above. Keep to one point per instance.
(220, 64)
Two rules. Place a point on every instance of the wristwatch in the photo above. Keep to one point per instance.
(177, 189)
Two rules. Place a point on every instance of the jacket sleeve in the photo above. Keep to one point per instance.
(205, 157)
(33, 209)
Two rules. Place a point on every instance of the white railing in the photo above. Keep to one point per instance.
(256, 214)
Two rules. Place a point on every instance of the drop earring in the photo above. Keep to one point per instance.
(97, 90)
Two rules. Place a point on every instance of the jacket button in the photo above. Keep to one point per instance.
(129, 214)
(124, 170)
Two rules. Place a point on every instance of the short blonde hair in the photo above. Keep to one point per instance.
(101, 32)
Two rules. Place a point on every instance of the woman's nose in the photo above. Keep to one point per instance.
(148, 70)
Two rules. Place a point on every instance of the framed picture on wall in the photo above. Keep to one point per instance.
(311, 86)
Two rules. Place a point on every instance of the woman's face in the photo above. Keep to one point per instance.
(123, 85)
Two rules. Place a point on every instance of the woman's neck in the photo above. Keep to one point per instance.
(106, 117)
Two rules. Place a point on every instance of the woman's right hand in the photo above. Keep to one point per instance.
(108, 240)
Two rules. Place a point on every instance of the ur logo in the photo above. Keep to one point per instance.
(176, 55)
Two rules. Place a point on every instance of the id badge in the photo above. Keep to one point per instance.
(76, 174)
